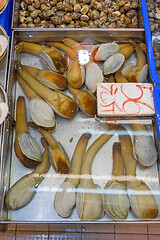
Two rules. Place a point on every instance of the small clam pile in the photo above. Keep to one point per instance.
(78, 14)
(154, 19)
(69, 86)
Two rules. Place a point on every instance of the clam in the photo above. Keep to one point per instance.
(76, 71)
(143, 74)
(68, 50)
(29, 146)
(93, 72)
(144, 147)
(23, 191)
(115, 199)
(106, 50)
(86, 101)
(57, 155)
(113, 63)
(141, 198)
(61, 103)
(127, 65)
(41, 112)
(51, 56)
(94, 75)
(65, 197)
(116, 202)
(48, 78)
(89, 203)
(94, 50)
(26, 148)
(139, 72)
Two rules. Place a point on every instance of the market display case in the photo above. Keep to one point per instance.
(100, 169)
(68, 131)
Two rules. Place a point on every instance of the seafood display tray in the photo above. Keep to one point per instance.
(68, 131)
(17, 7)
(151, 38)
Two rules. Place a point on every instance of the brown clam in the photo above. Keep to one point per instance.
(52, 57)
(141, 198)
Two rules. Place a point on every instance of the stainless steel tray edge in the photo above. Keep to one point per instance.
(6, 133)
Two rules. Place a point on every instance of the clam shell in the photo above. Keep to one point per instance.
(145, 151)
(47, 60)
(116, 201)
(143, 74)
(113, 63)
(89, 204)
(54, 59)
(126, 67)
(58, 112)
(65, 199)
(94, 49)
(41, 113)
(29, 146)
(106, 50)
(94, 75)
(21, 193)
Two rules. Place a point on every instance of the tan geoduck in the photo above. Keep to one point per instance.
(76, 71)
(57, 155)
(41, 112)
(23, 191)
(141, 198)
(115, 198)
(139, 72)
(119, 77)
(102, 51)
(113, 63)
(30, 156)
(65, 197)
(89, 203)
(144, 147)
(61, 103)
(52, 57)
(48, 78)
(111, 78)
(93, 72)
(86, 101)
